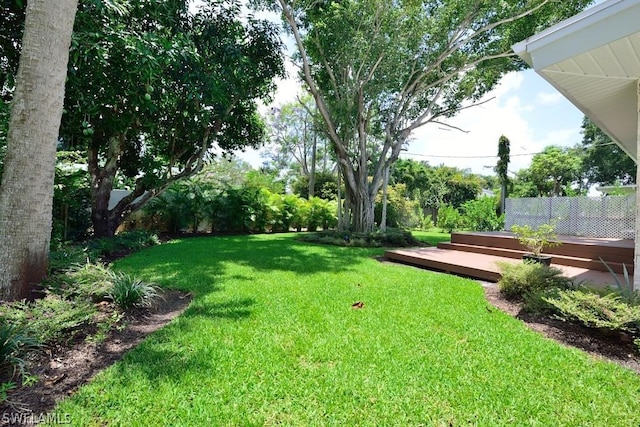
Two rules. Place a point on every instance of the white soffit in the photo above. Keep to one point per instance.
(593, 59)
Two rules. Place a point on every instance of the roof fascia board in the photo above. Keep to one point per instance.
(594, 27)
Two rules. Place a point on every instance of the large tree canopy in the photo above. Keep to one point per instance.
(556, 171)
(604, 161)
(153, 90)
(379, 69)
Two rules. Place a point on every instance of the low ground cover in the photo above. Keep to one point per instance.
(283, 332)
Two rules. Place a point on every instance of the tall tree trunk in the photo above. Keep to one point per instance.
(26, 193)
(383, 219)
(312, 173)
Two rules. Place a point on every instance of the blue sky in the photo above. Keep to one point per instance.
(523, 107)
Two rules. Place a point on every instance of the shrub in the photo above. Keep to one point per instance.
(401, 211)
(480, 215)
(321, 213)
(128, 292)
(129, 241)
(425, 221)
(391, 238)
(596, 311)
(529, 280)
(15, 344)
(449, 218)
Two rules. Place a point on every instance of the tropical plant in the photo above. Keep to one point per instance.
(625, 289)
(128, 292)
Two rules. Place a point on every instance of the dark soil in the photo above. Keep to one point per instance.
(617, 348)
(62, 369)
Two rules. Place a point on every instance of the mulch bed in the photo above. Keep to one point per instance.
(616, 348)
(62, 369)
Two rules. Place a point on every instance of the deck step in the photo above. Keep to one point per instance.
(475, 254)
(480, 266)
(574, 261)
(610, 250)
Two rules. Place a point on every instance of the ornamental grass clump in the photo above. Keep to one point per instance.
(128, 292)
(15, 344)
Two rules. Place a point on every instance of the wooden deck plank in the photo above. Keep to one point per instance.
(481, 266)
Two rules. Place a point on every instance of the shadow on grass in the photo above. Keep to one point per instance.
(234, 310)
(200, 264)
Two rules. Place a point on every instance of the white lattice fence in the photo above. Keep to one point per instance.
(611, 216)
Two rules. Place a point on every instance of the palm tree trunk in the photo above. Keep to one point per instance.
(26, 192)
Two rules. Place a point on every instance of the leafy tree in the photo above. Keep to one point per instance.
(554, 171)
(434, 186)
(325, 186)
(604, 161)
(378, 70)
(153, 90)
(298, 141)
(522, 185)
(26, 204)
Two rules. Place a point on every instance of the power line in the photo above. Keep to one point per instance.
(485, 157)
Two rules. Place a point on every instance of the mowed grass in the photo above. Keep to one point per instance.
(432, 238)
(271, 338)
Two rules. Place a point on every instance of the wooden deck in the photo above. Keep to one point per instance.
(476, 255)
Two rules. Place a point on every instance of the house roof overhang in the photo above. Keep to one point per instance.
(593, 59)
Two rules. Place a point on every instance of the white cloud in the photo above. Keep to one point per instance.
(506, 114)
(549, 98)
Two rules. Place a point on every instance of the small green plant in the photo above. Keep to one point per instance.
(5, 388)
(626, 290)
(15, 344)
(128, 292)
(529, 281)
(536, 239)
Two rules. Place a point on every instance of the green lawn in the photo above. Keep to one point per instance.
(431, 237)
(271, 339)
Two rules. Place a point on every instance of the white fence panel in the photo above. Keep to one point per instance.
(611, 216)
